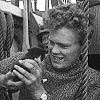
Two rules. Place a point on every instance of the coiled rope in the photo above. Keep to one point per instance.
(85, 55)
(82, 91)
(3, 30)
(10, 33)
(6, 39)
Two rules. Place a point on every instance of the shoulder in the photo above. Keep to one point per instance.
(93, 84)
(7, 64)
(93, 75)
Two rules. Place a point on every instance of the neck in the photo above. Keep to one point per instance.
(62, 70)
(61, 75)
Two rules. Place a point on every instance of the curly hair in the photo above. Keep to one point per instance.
(70, 16)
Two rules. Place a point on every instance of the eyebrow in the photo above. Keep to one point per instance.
(62, 44)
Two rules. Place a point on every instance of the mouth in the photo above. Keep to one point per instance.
(56, 58)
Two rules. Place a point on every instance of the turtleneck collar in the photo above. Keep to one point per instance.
(73, 73)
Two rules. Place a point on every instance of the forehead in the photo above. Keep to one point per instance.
(63, 35)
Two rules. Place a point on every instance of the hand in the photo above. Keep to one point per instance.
(6, 81)
(31, 79)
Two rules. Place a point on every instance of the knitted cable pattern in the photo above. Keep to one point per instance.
(59, 86)
(71, 77)
(66, 85)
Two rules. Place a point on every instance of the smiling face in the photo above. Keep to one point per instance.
(64, 48)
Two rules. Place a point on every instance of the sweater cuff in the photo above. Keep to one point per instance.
(43, 97)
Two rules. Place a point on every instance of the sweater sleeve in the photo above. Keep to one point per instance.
(8, 63)
(94, 85)
(25, 95)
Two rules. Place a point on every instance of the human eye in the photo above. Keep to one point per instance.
(64, 46)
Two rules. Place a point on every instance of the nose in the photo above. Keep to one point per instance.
(55, 49)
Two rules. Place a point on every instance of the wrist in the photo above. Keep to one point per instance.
(40, 94)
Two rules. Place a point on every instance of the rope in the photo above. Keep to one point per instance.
(85, 56)
(82, 91)
(1, 44)
(3, 24)
(10, 33)
(9, 38)
(2, 34)
(6, 39)
(3, 92)
(84, 66)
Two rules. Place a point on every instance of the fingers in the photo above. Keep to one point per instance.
(30, 65)
(22, 71)
(24, 75)
(8, 75)
(35, 63)
(12, 84)
(23, 78)
(9, 83)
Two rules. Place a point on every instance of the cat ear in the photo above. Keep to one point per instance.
(39, 59)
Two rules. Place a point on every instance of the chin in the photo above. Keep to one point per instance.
(57, 66)
(60, 66)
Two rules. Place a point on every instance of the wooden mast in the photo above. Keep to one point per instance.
(35, 5)
(46, 5)
(25, 45)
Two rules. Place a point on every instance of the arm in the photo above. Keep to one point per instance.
(7, 82)
(94, 84)
(5, 71)
(41, 93)
(7, 64)
(31, 80)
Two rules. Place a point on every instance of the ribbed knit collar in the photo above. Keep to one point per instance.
(72, 74)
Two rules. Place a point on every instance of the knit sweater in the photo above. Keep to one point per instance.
(59, 85)
(64, 85)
